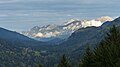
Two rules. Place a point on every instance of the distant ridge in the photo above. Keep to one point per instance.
(63, 31)
(12, 36)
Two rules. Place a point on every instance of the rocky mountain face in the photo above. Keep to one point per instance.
(63, 31)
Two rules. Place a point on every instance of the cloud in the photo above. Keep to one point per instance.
(60, 1)
(48, 1)
(3, 15)
(9, 1)
(32, 14)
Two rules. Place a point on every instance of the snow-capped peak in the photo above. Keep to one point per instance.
(104, 19)
(70, 21)
(66, 29)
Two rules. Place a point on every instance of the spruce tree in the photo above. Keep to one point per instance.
(107, 53)
(39, 65)
(113, 36)
(87, 61)
(64, 62)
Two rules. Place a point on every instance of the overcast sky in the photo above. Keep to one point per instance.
(23, 14)
(60, 1)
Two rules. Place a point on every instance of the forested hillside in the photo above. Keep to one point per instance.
(102, 42)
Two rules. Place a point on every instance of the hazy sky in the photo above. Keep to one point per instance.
(23, 14)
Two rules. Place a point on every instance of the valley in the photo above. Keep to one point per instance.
(20, 50)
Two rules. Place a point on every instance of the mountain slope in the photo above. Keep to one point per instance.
(16, 37)
(80, 39)
(16, 54)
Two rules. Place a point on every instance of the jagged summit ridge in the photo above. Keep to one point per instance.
(104, 18)
(64, 30)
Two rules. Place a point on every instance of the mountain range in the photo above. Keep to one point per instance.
(58, 33)
(18, 49)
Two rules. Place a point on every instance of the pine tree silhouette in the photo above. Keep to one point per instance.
(87, 61)
(64, 62)
(107, 53)
(39, 65)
